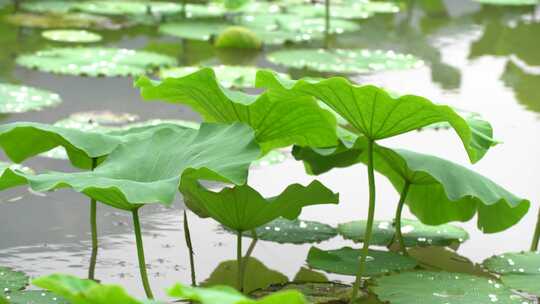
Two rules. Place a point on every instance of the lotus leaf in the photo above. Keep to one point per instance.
(425, 287)
(94, 61)
(414, 233)
(48, 6)
(315, 292)
(79, 36)
(519, 271)
(67, 20)
(345, 261)
(9, 177)
(34, 297)
(11, 280)
(306, 275)
(129, 7)
(19, 99)
(196, 30)
(352, 10)
(279, 119)
(344, 61)
(294, 23)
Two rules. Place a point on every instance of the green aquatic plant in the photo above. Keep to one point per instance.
(536, 235)
(242, 208)
(13, 290)
(372, 114)
(518, 271)
(20, 98)
(72, 36)
(238, 37)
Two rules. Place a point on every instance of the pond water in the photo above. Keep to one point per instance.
(477, 58)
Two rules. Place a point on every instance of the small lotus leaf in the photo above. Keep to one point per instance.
(19, 99)
(424, 287)
(195, 30)
(346, 260)
(129, 7)
(436, 258)
(279, 119)
(344, 61)
(78, 36)
(34, 297)
(306, 275)
(353, 10)
(242, 208)
(67, 20)
(48, 6)
(519, 271)
(11, 280)
(295, 24)
(229, 76)
(94, 61)
(229, 295)
(414, 233)
(257, 275)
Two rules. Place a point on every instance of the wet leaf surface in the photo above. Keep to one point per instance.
(20, 98)
(520, 271)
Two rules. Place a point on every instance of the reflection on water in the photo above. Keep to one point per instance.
(478, 58)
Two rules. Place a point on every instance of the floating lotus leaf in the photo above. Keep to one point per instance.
(34, 297)
(67, 20)
(436, 258)
(229, 76)
(20, 98)
(425, 287)
(11, 280)
(315, 293)
(79, 36)
(257, 275)
(81, 291)
(238, 37)
(48, 6)
(353, 10)
(520, 271)
(242, 208)
(229, 295)
(414, 233)
(9, 178)
(294, 23)
(371, 111)
(196, 30)
(257, 7)
(509, 2)
(207, 10)
(345, 261)
(94, 61)
(130, 7)
(344, 61)
(306, 275)
(169, 154)
(296, 231)
(279, 119)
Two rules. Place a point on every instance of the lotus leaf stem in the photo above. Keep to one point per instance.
(399, 211)
(93, 229)
(536, 237)
(187, 236)
(240, 272)
(254, 238)
(369, 225)
(140, 253)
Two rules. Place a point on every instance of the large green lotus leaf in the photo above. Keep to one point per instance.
(295, 231)
(11, 280)
(242, 208)
(519, 271)
(345, 261)
(48, 6)
(34, 297)
(67, 20)
(509, 2)
(74, 36)
(257, 275)
(315, 292)
(195, 30)
(279, 118)
(424, 287)
(10, 177)
(229, 76)
(374, 113)
(414, 233)
(294, 23)
(82, 291)
(94, 61)
(353, 10)
(344, 61)
(441, 191)
(229, 295)
(20, 98)
(160, 161)
(129, 7)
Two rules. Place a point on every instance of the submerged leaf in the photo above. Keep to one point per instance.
(11, 280)
(279, 119)
(79, 36)
(94, 61)
(425, 287)
(414, 233)
(257, 275)
(242, 208)
(520, 271)
(20, 98)
(344, 61)
(346, 260)
(149, 170)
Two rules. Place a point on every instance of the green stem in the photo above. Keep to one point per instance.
(327, 24)
(187, 235)
(184, 4)
(140, 253)
(369, 225)
(254, 240)
(240, 272)
(93, 229)
(399, 235)
(536, 237)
